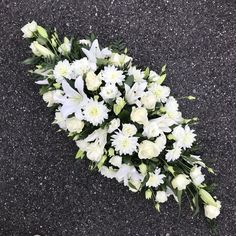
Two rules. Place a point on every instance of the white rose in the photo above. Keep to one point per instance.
(114, 124)
(149, 100)
(147, 150)
(196, 175)
(29, 29)
(212, 212)
(139, 115)
(74, 125)
(161, 196)
(93, 82)
(180, 182)
(109, 91)
(151, 130)
(129, 129)
(94, 152)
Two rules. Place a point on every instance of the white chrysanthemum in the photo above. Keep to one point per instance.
(62, 70)
(112, 75)
(155, 179)
(109, 92)
(82, 66)
(161, 92)
(136, 73)
(95, 112)
(108, 172)
(124, 144)
(173, 154)
(184, 136)
(171, 108)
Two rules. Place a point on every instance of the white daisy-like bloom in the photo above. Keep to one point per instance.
(129, 130)
(155, 179)
(173, 154)
(62, 70)
(109, 92)
(82, 66)
(112, 75)
(114, 124)
(161, 92)
(124, 144)
(136, 73)
(95, 112)
(184, 137)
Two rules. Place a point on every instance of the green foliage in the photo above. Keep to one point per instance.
(118, 46)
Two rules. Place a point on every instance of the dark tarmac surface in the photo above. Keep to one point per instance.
(43, 190)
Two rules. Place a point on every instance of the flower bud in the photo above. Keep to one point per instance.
(148, 194)
(207, 198)
(42, 32)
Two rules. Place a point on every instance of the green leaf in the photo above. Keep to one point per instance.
(162, 78)
(196, 204)
(102, 62)
(130, 80)
(146, 72)
(132, 186)
(42, 31)
(31, 61)
(163, 69)
(179, 197)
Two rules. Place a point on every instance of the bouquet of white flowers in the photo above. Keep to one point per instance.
(122, 118)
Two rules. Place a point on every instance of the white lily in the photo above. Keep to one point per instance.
(95, 52)
(132, 94)
(75, 100)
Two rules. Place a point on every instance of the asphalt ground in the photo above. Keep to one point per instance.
(43, 189)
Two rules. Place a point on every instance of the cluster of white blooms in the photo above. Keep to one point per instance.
(122, 118)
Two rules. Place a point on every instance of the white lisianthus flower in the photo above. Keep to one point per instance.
(149, 100)
(52, 97)
(147, 150)
(180, 182)
(62, 70)
(124, 144)
(129, 129)
(196, 175)
(109, 92)
(114, 124)
(184, 137)
(154, 77)
(29, 29)
(171, 108)
(119, 60)
(161, 196)
(74, 125)
(39, 50)
(82, 66)
(212, 212)
(136, 73)
(173, 154)
(155, 179)
(65, 48)
(92, 81)
(139, 115)
(94, 151)
(132, 94)
(161, 92)
(108, 172)
(151, 129)
(85, 42)
(95, 112)
(112, 75)
(60, 120)
(116, 161)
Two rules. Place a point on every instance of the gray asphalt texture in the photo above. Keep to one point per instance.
(43, 189)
